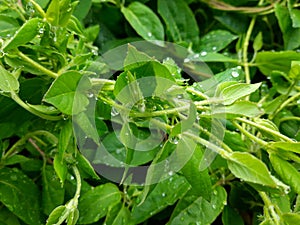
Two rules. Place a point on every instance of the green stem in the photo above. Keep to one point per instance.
(78, 179)
(245, 50)
(197, 93)
(266, 129)
(20, 102)
(13, 150)
(289, 118)
(270, 207)
(249, 135)
(285, 103)
(37, 65)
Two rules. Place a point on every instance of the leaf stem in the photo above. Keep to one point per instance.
(37, 65)
(270, 207)
(266, 129)
(20, 102)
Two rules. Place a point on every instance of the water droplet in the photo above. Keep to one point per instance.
(149, 34)
(174, 140)
(170, 173)
(214, 206)
(196, 55)
(119, 151)
(65, 117)
(95, 51)
(41, 30)
(215, 192)
(179, 96)
(234, 74)
(214, 48)
(203, 53)
(72, 178)
(13, 177)
(225, 202)
(114, 112)
(163, 195)
(126, 134)
(186, 60)
(90, 95)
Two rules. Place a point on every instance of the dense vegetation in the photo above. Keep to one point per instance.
(195, 121)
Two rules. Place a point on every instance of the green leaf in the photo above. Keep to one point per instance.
(25, 34)
(165, 193)
(144, 21)
(234, 91)
(118, 215)
(20, 195)
(8, 82)
(179, 19)
(214, 57)
(8, 25)
(216, 40)
(258, 42)
(85, 166)
(287, 146)
(56, 214)
(199, 180)
(82, 9)
(288, 173)
(202, 211)
(84, 121)
(95, 203)
(7, 217)
(280, 61)
(280, 82)
(247, 167)
(290, 34)
(52, 14)
(231, 217)
(295, 16)
(53, 193)
(67, 93)
(291, 218)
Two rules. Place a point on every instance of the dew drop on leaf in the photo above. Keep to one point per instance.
(234, 74)
(203, 53)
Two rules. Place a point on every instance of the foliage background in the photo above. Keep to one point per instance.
(48, 46)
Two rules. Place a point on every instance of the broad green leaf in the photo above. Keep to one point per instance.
(280, 81)
(8, 82)
(291, 218)
(165, 193)
(7, 217)
(287, 146)
(290, 34)
(234, 141)
(25, 34)
(240, 108)
(209, 86)
(216, 40)
(258, 42)
(231, 217)
(82, 9)
(234, 91)
(52, 14)
(135, 58)
(179, 19)
(214, 57)
(144, 21)
(295, 16)
(53, 193)
(95, 203)
(87, 125)
(280, 61)
(67, 93)
(118, 215)
(49, 110)
(85, 166)
(56, 214)
(199, 180)
(8, 25)
(248, 168)
(60, 167)
(202, 211)
(20, 195)
(15, 159)
(287, 172)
